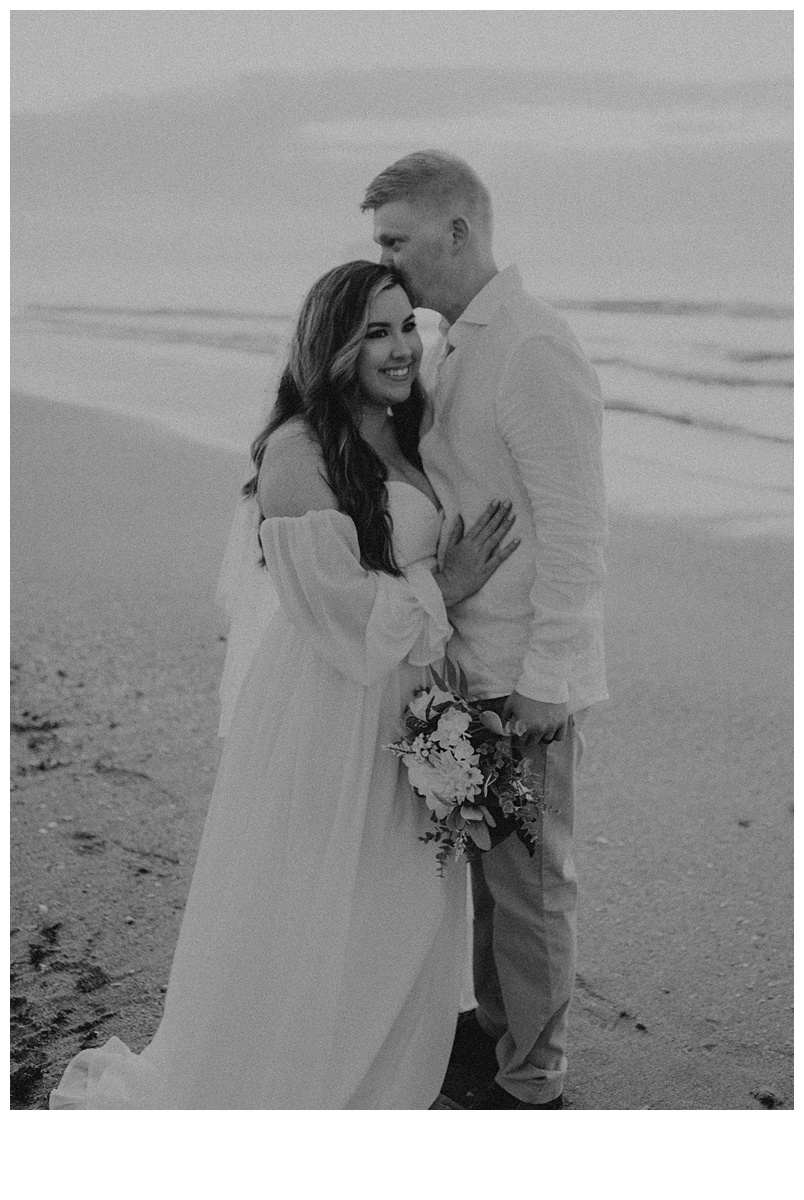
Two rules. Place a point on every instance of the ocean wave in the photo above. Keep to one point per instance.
(168, 326)
(744, 310)
(750, 310)
(689, 375)
(266, 334)
(227, 314)
(642, 410)
(760, 356)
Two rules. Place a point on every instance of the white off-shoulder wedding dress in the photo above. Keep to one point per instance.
(320, 959)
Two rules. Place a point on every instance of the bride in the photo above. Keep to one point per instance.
(320, 958)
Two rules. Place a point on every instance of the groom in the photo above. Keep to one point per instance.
(516, 414)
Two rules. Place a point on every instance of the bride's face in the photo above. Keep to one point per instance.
(391, 352)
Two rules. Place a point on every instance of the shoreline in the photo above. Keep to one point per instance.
(683, 837)
(641, 455)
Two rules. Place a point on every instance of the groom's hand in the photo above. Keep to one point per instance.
(545, 722)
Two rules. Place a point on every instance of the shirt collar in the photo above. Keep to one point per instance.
(481, 309)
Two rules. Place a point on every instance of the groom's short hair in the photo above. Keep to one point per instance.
(430, 177)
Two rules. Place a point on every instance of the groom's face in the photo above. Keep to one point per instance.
(415, 240)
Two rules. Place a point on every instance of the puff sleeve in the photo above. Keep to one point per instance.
(364, 623)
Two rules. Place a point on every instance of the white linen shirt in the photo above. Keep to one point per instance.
(516, 414)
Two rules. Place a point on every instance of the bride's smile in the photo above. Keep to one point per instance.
(391, 350)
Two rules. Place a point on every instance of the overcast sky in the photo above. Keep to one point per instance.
(63, 57)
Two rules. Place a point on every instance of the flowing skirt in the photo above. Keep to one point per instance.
(321, 956)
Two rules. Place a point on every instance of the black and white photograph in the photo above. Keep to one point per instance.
(401, 562)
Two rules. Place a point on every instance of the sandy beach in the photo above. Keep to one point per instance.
(684, 839)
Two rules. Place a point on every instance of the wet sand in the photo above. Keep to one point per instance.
(684, 839)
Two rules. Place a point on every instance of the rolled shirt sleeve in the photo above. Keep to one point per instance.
(549, 412)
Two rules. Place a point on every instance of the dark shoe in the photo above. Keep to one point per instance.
(494, 1096)
(472, 1063)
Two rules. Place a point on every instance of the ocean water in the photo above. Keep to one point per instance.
(698, 396)
(159, 248)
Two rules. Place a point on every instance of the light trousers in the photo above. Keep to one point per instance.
(524, 941)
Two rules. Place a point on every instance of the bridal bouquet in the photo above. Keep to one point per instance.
(460, 758)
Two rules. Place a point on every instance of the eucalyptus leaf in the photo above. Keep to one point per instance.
(440, 683)
(450, 673)
(454, 820)
(480, 836)
(492, 721)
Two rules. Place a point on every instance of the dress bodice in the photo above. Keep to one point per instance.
(416, 521)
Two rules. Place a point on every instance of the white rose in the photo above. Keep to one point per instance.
(452, 726)
(465, 752)
(459, 779)
(431, 783)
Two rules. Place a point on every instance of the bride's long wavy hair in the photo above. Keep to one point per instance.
(320, 386)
